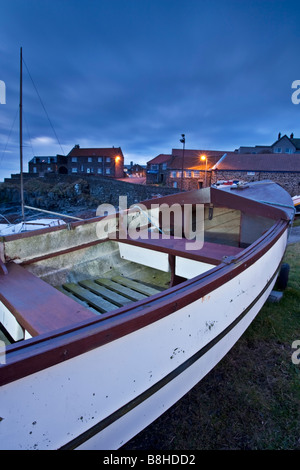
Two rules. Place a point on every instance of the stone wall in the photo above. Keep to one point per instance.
(288, 180)
(60, 192)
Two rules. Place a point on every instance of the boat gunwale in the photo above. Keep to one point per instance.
(34, 354)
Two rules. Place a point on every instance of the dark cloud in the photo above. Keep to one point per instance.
(138, 73)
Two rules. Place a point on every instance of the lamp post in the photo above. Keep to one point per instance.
(182, 140)
(204, 158)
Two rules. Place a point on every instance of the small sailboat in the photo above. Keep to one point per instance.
(25, 226)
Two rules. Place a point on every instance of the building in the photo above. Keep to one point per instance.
(283, 144)
(281, 168)
(135, 170)
(50, 164)
(183, 170)
(157, 169)
(196, 169)
(190, 169)
(96, 161)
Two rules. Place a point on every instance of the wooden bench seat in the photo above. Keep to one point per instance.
(210, 253)
(37, 306)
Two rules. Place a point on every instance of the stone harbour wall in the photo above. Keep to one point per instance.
(60, 192)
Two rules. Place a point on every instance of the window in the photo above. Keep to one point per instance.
(88, 170)
(164, 166)
(154, 167)
(107, 171)
(74, 170)
(81, 168)
(278, 149)
(196, 173)
(90, 159)
(34, 169)
(99, 159)
(49, 168)
(188, 173)
(99, 171)
(108, 159)
(175, 184)
(173, 174)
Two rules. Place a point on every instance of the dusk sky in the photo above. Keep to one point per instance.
(136, 74)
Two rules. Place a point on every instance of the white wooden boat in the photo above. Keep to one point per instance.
(109, 330)
(26, 226)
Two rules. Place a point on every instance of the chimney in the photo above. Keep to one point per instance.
(292, 136)
(77, 146)
(279, 135)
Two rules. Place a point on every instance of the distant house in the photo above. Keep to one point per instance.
(283, 169)
(50, 164)
(191, 169)
(283, 144)
(201, 168)
(157, 169)
(135, 170)
(96, 161)
(183, 171)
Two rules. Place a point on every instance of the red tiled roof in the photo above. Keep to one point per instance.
(192, 159)
(260, 162)
(97, 152)
(161, 158)
(197, 153)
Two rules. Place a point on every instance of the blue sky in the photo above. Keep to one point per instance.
(138, 73)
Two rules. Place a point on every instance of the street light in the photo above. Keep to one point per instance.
(182, 140)
(204, 158)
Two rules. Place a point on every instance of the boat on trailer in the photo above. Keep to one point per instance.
(108, 327)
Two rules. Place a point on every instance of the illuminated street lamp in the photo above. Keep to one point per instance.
(204, 158)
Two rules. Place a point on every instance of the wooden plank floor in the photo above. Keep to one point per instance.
(103, 295)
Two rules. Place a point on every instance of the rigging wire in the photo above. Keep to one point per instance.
(43, 106)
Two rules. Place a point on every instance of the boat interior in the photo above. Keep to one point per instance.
(66, 275)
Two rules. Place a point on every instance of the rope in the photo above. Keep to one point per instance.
(44, 108)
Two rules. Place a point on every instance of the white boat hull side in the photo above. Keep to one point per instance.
(49, 409)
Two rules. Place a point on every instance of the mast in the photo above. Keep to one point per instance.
(21, 142)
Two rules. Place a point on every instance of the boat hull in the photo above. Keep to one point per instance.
(103, 397)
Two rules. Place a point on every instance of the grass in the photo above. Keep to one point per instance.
(251, 400)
